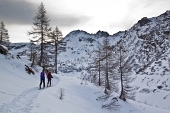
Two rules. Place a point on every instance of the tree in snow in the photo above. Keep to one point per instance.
(98, 62)
(102, 62)
(125, 65)
(61, 93)
(40, 32)
(106, 56)
(95, 65)
(4, 36)
(32, 55)
(56, 39)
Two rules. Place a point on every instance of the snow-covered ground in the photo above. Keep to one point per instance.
(19, 93)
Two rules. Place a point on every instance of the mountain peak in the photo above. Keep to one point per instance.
(102, 33)
(144, 21)
(75, 32)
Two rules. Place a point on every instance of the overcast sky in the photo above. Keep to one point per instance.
(88, 15)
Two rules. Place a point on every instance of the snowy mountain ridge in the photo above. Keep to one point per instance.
(148, 45)
(148, 35)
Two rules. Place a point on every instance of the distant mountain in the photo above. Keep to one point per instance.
(81, 44)
(146, 41)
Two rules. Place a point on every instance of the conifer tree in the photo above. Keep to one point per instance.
(98, 61)
(102, 63)
(125, 65)
(106, 55)
(95, 65)
(4, 37)
(56, 39)
(32, 53)
(40, 30)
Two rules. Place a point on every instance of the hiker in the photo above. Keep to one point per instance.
(42, 79)
(49, 76)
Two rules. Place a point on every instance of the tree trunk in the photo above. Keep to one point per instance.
(99, 68)
(56, 51)
(33, 60)
(122, 96)
(99, 75)
(41, 63)
(121, 93)
(107, 75)
(1, 38)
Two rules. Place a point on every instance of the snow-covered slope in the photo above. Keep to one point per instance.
(154, 83)
(19, 93)
(148, 41)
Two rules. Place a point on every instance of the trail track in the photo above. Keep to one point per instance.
(23, 103)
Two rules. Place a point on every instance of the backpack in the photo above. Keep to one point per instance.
(49, 75)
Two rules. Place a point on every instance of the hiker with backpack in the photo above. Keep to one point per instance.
(42, 79)
(49, 76)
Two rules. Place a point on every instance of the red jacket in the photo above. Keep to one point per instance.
(49, 75)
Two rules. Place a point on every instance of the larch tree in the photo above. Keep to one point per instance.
(102, 63)
(56, 39)
(40, 30)
(106, 56)
(33, 52)
(125, 66)
(98, 61)
(94, 68)
(4, 36)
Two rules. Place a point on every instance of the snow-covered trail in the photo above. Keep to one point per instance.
(78, 98)
(23, 102)
(81, 98)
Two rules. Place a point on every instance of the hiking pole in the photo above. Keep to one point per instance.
(52, 82)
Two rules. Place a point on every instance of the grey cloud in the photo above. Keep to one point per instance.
(138, 9)
(22, 12)
(149, 5)
(69, 20)
(16, 11)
